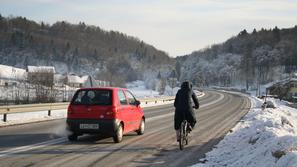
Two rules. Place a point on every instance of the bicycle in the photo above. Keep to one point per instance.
(184, 131)
(183, 134)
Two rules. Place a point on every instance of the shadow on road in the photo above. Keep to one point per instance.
(175, 157)
(18, 140)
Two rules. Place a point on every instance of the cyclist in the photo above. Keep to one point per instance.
(184, 107)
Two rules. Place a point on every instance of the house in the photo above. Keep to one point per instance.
(73, 80)
(84, 81)
(59, 79)
(293, 88)
(101, 83)
(41, 75)
(285, 89)
(10, 76)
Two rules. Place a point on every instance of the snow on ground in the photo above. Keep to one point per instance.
(266, 138)
(140, 91)
(170, 91)
(28, 117)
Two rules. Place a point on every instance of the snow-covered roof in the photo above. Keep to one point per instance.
(9, 72)
(85, 78)
(77, 79)
(59, 78)
(74, 79)
(33, 69)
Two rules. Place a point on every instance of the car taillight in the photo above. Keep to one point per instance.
(114, 109)
(70, 110)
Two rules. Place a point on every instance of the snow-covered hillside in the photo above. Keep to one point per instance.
(265, 138)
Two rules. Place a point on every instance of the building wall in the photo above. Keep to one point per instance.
(75, 85)
(293, 88)
(46, 79)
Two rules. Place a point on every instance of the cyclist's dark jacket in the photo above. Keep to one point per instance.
(183, 105)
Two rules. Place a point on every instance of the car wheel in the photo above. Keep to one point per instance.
(140, 131)
(117, 138)
(72, 137)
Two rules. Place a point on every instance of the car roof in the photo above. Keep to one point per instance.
(103, 88)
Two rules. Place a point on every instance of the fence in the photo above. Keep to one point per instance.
(49, 107)
(24, 93)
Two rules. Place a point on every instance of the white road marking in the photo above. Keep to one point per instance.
(31, 147)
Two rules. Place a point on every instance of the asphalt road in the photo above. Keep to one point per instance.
(45, 143)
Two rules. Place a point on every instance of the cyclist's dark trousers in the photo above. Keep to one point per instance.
(179, 117)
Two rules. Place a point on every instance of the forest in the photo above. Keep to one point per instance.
(81, 49)
(247, 59)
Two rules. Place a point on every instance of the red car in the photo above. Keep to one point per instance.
(112, 111)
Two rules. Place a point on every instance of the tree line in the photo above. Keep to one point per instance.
(258, 57)
(77, 48)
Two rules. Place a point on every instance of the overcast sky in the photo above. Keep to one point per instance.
(177, 27)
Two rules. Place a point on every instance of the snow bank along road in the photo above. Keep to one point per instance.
(45, 143)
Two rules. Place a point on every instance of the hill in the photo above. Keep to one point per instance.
(246, 59)
(81, 49)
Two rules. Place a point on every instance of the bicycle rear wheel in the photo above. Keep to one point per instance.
(182, 136)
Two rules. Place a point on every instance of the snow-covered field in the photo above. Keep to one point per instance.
(263, 138)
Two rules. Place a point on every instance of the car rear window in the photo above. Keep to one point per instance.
(92, 97)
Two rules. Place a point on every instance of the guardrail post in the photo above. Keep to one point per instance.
(49, 112)
(5, 117)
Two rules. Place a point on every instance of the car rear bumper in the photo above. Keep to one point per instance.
(104, 126)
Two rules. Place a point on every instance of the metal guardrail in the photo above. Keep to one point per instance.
(10, 109)
(162, 99)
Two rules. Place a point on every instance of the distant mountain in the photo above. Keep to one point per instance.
(80, 49)
(246, 59)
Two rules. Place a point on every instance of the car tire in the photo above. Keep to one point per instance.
(140, 131)
(72, 137)
(118, 137)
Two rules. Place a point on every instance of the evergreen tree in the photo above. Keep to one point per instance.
(254, 31)
(243, 33)
(276, 34)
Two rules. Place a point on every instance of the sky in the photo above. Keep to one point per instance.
(177, 27)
